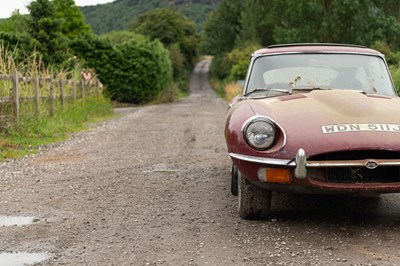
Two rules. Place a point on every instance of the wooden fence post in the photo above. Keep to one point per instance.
(51, 99)
(15, 104)
(82, 88)
(36, 98)
(97, 88)
(62, 92)
(14, 100)
(74, 90)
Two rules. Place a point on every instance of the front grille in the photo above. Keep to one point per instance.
(352, 175)
(356, 155)
(363, 175)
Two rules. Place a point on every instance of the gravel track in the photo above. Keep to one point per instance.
(152, 188)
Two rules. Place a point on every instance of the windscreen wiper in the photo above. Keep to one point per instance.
(324, 89)
(312, 88)
(265, 90)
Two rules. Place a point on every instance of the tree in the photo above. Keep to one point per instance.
(17, 23)
(221, 28)
(389, 7)
(171, 28)
(234, 24)
(302, 26)
(256, 23)
(339, 21)
(45, 31)
(238, 25)
(14, 36)
(73, 23)
(120, 37)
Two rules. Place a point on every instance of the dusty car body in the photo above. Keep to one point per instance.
(313, 118)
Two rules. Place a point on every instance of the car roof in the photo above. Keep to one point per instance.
(316, 48)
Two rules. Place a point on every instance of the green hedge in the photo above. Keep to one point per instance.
(132, 71)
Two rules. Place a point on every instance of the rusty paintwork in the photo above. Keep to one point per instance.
(302, 119)
(356, 121)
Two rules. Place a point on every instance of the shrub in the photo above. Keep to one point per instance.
(233, 65)
(145, 71)
(220, 67)
(239, 60)
(177, 61)
(395, 72)
(134, 71)
(392, 56)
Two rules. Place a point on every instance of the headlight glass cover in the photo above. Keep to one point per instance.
(259, 133)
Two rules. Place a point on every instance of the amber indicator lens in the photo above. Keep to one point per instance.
(277, 175)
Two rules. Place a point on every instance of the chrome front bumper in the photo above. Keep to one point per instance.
(300, 163)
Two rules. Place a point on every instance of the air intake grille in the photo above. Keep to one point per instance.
(354, 175)
(363, 175)
(356, 155)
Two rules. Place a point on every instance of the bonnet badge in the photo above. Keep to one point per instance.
(371, 164)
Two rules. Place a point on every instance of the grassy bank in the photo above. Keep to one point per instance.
(25, 137)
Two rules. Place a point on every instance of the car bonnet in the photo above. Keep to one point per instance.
(335, 120)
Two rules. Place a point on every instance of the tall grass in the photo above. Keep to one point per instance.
(30, 65)
(395, 72)
(226, 90)
(30, 131)
(231, 90)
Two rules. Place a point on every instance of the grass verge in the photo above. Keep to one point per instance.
(25, 137)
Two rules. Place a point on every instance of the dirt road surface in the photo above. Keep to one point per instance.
(152, 188)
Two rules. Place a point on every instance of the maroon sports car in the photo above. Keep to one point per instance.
(313, 118)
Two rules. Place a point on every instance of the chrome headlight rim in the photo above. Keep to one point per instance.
(251, 122)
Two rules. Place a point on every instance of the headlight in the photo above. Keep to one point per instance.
(259, 133)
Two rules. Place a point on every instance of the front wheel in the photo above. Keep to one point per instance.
(254, 202)
(234, 180)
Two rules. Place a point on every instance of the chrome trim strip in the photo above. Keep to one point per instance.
(354, 163)
(314, 164)
(261, 160)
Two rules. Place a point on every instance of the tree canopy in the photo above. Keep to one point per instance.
(45, 31)
(73, 23)
(16, 23)
(170, 27)
(284, 21)
(117, 15)
(222, 27)
(178, 34)
(237, 25)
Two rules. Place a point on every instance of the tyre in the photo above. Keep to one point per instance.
(234, 180)
(253, 202)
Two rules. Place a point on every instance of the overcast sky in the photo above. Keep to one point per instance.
(8, 6)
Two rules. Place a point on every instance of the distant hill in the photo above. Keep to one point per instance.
(119, 14)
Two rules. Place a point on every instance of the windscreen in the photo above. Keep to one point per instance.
(307, 71)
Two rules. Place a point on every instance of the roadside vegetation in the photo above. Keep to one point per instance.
(30, 133)
(134, 66)
(25, 135)
(118, 15)
(237, 27)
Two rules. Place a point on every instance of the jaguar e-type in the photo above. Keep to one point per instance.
(313, 118)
